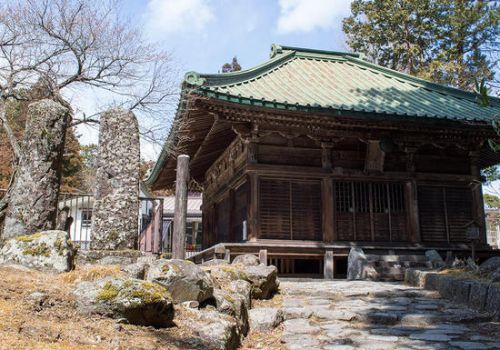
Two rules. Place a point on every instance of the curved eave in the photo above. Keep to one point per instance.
(168, 144)
(332, 110)
(301, 112)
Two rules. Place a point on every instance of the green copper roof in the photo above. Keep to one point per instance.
(305, 79)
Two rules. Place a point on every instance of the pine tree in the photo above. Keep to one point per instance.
(439, 40)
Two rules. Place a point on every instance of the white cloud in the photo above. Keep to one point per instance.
(171, 16)
(307, 15)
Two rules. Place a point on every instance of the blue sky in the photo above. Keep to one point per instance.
(204, 34)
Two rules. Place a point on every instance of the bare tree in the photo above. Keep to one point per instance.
(82, 44)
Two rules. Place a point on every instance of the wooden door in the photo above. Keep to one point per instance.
(444, 213)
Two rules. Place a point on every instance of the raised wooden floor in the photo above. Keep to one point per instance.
(297, 257)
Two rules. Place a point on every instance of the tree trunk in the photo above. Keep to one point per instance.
(33, 194)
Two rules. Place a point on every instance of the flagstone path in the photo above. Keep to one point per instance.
(345, 315)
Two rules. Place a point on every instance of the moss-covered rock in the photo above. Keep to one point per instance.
(47, 250)
(184, 280)
(233, 304)
(218, 331)
(41, 249)
(263, 279)
(140, 302)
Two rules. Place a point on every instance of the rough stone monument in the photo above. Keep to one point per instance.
(116, 202)
(35, 189)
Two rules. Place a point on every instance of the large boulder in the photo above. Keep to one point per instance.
(183, 279)
(265, 318)
(233, 304)
(224, 273)
(435, 259)
(139, 302)
(264, 280)
(136, 270)
(247, 260)
(490, 265)
(358, 266)
(218, 331)
(115, 260)
(243, 288)
(47, 250)
(493, 300)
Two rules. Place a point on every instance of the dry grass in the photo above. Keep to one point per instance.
(265, 340)
(90, 273)
(466, 274)
(56, 324)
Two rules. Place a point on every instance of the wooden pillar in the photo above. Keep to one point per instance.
(227, 256)
(328, 267)
(251, 152)
(411, 194)
(477, 196)
(253, 208)
(412, 211)
(326, 155)
(232, 232)
(263, 256)
(327, 209)
(180, 209)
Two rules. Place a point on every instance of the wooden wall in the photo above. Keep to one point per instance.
(293, 187)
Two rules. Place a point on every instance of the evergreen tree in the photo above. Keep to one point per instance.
(491, 201)
(88, 153)
(439, 40)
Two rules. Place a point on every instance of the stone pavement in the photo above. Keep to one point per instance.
(346, 315)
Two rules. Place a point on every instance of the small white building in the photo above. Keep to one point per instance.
(193, 223)
(493, 227)
(155, 218)
(80, 216)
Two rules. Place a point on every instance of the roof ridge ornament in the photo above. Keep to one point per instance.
(275, 50)
(361, 56)
(194, 78)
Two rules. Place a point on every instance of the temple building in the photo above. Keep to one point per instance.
(314, 152)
